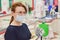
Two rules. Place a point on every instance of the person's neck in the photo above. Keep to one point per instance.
(16, 23)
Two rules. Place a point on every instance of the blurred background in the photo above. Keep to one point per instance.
(37, 10)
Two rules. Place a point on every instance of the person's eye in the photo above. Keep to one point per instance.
(24, 12)
(20, 12)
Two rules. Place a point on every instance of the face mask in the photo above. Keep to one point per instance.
(20, 18)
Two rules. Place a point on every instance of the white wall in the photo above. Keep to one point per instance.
(5, 5)
(59, 6)
(39, 4)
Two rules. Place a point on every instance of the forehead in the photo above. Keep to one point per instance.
(19, 8)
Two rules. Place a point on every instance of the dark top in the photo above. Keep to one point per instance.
(17, 32)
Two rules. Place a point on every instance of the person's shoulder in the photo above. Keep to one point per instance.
(24, 24)
(10, 28)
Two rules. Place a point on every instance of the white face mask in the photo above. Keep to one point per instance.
(20, 18)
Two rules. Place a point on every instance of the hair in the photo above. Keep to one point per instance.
(13, 7)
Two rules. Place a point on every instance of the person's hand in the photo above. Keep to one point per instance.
(33, 37)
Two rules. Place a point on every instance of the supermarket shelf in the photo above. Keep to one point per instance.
(4, 15)
(47, 21)
(1, 32)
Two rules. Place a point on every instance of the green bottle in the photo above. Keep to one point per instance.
(44, 27)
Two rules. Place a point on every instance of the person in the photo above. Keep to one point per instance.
(17, 30)
(52, 12)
